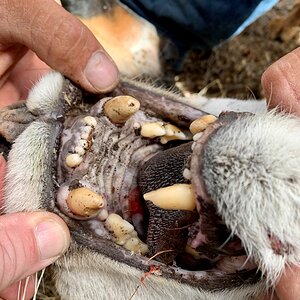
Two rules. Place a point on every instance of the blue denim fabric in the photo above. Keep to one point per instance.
(199, 23)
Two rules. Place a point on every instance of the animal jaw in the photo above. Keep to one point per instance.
(116, 160)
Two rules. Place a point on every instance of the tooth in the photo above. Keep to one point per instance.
(197, 136)
(84, 202)
(91, 121)
(84, 143)
(79, 150)
(103, 214)
(135, 245)
(175, 197)
(125, 234)
(187, 174)
(73, 160)
(86, 132)
(172, 133)
(200, 124)
(121, 108)
(152, 130)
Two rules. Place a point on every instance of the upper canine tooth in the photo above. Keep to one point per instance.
(121, 108)
(175, 197)
(91, 121)
(152, 130)
(200, 124)
(84, 202)
(73, 160)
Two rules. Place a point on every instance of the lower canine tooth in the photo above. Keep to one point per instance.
(121, 108)
(174, 197)
(84, 202)
(73, 160)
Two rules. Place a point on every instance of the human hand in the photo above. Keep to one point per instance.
(281, 83)
(31, 241)
(57, 38)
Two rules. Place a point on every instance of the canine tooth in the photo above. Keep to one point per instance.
(73, 160)
(175, 197)
(91, 121)
(121, 108)
(79, 150)
(84, 202)
(152, 130)
(200, 124)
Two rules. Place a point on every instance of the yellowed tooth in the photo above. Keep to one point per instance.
(153, 130)
(79, 150)
(91, 121)
(201, 123)
(136, 245)
(73, 160)
(84, 202)
(172, 133)
(175, 197)
(125, 234)
(121, 108)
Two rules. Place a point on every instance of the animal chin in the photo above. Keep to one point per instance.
(130, 186)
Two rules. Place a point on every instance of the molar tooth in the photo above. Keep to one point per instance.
(201, 123)
(91, 121)
(79, 150)
(136, 245)
(174, 197)
(153, 130)
(121, 108)
(172, 133)
(73, 160)
(84, 202)
(84, 143)
(125, 234)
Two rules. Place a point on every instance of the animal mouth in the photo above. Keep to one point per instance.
(132, 192)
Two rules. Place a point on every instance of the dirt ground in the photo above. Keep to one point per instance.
(233, 69)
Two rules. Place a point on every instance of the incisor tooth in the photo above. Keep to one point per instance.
(153, 130)
(84, 202)
(73, 160)
(121, 108)
(91, 121)
(200, 124)
(175, 197)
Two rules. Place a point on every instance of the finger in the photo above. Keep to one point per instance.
(62, 41)
(281, 83)
(29, 242)
(289, 286)
(2, 174)
(8, 58)
(21, 78)
(23, 289)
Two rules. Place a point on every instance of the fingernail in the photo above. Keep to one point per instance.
(51, 239)
(101, 72)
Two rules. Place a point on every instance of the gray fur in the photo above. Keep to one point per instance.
(86, 274)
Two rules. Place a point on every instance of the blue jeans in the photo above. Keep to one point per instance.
(199, 23)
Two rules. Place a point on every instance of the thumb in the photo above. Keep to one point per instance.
(281, 83)
(288, 287)
(29, 242)
(60, 40)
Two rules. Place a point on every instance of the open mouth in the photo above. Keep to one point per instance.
(131, 184)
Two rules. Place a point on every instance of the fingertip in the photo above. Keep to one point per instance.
(101, 72)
